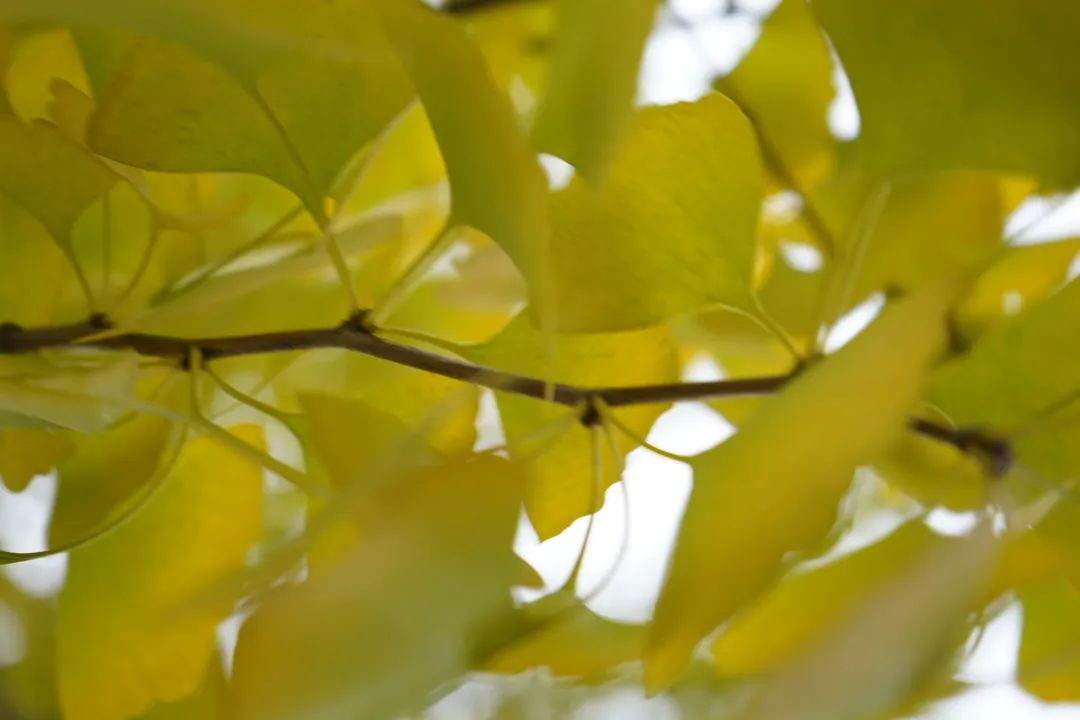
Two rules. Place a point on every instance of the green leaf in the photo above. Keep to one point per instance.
(1049, 665)
(1020, 379)
(672, 227)
(773, 487)
(496, 184)
(594, 67)
(399, 614)
(887, 647)
(560, 469)
(126, 636)
(807, 604)
(968, 85)
(49, 175)
(26, 452)
(785, 83)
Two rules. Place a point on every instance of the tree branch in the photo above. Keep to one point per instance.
(355, 336)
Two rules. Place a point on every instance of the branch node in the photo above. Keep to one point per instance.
(360, 321)
(590, 415)
(99, 321)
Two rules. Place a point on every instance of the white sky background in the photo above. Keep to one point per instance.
(680, 60)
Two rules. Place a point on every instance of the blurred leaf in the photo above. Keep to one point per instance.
(807, 604)
(1049, 661)
(889, 644)
(1019, 378)
(560, 469)
(969, 85)
(785, 83)
(575, 643)
(36, 393)
(773, 487)
(670, 230)
(399, 614)
(594, 67)
(126, 638)
(26, 452)
(934, 473)
(496, 184)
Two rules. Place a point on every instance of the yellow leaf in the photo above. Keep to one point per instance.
(887, 645)
(594, 66)
(400, 613)
(26, 452)
(951, 87)
(934, 473)
(125, 637)
(807, 604)
(496, 184)
(1048, 665)
(773, 488)
(560, 487)
(672, 227)
(577, 643)
(785, 83)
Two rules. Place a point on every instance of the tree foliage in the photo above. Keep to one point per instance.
(262, 263)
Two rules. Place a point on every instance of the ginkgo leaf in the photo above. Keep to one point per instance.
(31, 298)
(1021, 377)
(51, 176)
(671, 228)
(26, 452)
(123, 623)
(1048, 664)
(575, 643)
(34, 393)
(590, 93)
(399, 614)
(973, 85)
(887, 645)
(934, 473)
(807, 604)
(496, 183)
(775, 484)
(560, 469)
(785, 83)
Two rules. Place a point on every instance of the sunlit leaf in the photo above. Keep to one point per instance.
(671, 229)
(400, 613)
(802, 447)
(887, 646)
(123, 620)
(971, 85)
(561, 487)
(1049, 662)
(593, 80)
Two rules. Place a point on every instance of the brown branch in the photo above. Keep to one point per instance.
(354, 335)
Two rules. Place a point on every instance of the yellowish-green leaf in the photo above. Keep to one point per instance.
(590, 93)
(496, 184)
(36, 393)
(39, 60)
(1023, 274)
(561, 484)
(954, 87)
(577, 643)
(775, 485)
(31, 298)
(785, 83)
(1049, 662)
(400, 613)
(126, 638)
(670, 230)
(934, 473)
(27, 452)
(1022, 377)
(49, 175)
(807, 604)
(887, 646)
